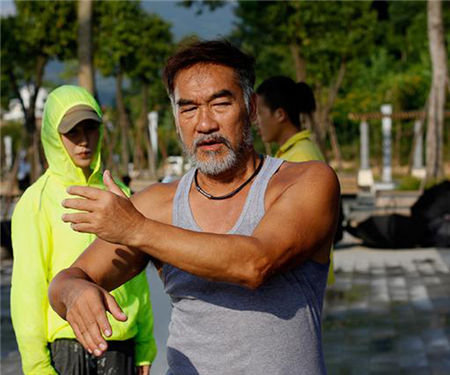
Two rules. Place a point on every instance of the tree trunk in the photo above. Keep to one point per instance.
(108, 147)
(397, 144)
(124, 124)
(163, 147)
(335, 145)
(323, 114)
(141, 126)
(30, 122)
(299, 62)
(316, 124)
(11, 184)
(436, 106)
(85, 56)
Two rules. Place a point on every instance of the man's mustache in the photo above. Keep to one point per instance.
(211, 138)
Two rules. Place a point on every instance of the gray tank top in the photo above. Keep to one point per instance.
(225, 329)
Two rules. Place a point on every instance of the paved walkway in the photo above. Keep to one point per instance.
(387, 313)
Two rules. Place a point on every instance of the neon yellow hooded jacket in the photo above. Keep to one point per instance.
(44, 245)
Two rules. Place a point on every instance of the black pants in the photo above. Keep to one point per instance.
(70, 358)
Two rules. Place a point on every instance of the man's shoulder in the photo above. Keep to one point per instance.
(155, 201)
(305, 171)
(304, 177)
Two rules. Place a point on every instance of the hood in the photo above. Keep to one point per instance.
(60, 164)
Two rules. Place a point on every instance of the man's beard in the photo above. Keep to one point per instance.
(216, 161)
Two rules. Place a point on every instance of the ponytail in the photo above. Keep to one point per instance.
(305, 98)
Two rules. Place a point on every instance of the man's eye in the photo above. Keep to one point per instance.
(188, 109)
(222, 104)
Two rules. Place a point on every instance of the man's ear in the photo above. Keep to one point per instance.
(252, 108)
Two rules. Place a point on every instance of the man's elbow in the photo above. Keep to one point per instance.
(257, 272)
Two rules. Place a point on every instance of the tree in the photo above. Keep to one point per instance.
(200, 5)
(116, 44)
(155, 45)
(317, 41)
(86, 73)
(39, 32)
(436, 101)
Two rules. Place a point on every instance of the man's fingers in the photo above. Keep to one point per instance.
(76, 218)
(82, 332)
(89, 327)
(111, 185)
(85, 191)
(78, 204)
(80, 338)
(82, 228)
(114, 308)
(100, 312)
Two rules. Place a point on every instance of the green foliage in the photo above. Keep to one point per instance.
(116, 36)
(40, 30)
(325, 33)
(200, 5)
(14, 130)
(168, 134)
(408, 183)
(154, 47)
(48, 27)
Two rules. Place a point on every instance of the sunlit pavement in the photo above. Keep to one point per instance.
(387, 313)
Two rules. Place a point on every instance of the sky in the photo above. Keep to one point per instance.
(184, 21)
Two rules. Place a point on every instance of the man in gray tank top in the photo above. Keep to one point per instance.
(242, 241)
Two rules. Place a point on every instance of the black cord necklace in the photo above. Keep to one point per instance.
(235, 191)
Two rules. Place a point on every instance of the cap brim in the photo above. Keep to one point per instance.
(70, 120)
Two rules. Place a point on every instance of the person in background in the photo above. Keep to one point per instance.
(280, 102)
(43, 245)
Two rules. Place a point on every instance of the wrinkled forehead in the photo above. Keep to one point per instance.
(203, 80)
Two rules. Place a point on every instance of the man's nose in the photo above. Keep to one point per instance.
(206, 122)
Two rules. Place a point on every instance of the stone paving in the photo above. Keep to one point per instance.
(387, 313)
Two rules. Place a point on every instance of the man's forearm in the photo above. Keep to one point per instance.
(221, 257)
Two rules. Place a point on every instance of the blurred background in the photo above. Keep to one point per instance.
(357, 56)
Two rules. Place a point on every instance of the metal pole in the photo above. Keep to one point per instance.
(386, 175)
(365, 177)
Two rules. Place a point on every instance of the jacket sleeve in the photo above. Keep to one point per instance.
(145, 345)
(29, 301)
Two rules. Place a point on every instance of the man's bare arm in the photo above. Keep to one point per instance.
(298, 225)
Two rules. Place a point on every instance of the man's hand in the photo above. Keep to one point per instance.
(108, 214)
(85, 305)
(143, 370)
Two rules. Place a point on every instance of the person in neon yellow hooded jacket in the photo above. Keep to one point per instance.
(43, 245)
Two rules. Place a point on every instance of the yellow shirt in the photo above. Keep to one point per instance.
(300, 148)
